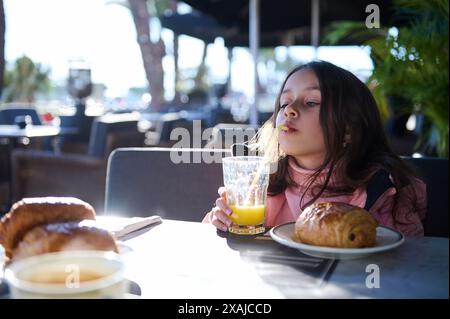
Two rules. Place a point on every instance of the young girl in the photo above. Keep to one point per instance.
(334, 150)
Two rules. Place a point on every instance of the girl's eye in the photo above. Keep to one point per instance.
(311, 103)
(282, 106)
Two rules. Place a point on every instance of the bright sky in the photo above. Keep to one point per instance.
(53, 32)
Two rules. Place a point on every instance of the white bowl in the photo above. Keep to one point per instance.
(64, 275)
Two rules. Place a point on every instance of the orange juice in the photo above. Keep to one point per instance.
(247, 215)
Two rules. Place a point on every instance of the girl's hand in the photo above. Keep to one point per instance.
(219, 215)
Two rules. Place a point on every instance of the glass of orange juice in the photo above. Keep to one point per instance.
(246, 179)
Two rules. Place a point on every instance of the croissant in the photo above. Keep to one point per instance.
(63, 236)
(336, 225)
(31, 212)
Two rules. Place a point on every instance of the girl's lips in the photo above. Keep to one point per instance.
(286, 128)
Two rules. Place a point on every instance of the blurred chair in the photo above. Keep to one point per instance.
(4, 177)
(14, 115)
(167, 125)
(39, 173)
(226, 134)
(112, 131)
(8, 115)
(149, 181)
(434, 172)
(159, 127)
(197, 98)
(80, 126)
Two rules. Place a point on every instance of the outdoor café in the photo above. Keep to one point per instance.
(224, 149)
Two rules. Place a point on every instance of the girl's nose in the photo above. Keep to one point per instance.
(290, 112)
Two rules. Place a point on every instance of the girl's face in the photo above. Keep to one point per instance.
(299, 111)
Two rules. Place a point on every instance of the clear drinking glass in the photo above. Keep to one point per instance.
(246, 179)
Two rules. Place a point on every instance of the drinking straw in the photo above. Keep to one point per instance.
(272, 142)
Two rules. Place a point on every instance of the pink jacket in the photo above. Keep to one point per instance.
(285, 207)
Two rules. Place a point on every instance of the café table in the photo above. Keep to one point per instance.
(178, 259)
(12, 133)
(31, 131)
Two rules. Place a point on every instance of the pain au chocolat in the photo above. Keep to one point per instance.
(336, 225)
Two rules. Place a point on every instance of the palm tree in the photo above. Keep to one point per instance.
(177, 98)
(152, 52)
(143, 11)
(411, 64)
(24, 80)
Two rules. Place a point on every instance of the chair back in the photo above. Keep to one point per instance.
(224, 135)
(114, 131)
(434, 172)
(149, 181)
(8, 115)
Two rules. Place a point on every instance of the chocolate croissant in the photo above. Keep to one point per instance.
(336, 225)
(31, 212)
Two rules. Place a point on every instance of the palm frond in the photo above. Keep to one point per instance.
(412, 65)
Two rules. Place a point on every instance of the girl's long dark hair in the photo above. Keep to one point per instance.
(347, 108)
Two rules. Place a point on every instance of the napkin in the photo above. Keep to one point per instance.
(121, 226)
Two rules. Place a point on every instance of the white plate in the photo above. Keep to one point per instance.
(387, 238)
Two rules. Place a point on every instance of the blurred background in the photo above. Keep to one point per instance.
(110, 73)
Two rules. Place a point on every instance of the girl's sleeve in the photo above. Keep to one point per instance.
(410, 210)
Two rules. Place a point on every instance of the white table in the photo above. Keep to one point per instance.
(31, 131)
(189, 260)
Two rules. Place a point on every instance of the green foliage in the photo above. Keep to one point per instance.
(160, 6)
(24, 80)
(411, 63)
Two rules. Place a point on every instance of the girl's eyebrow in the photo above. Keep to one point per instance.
(309, 88)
